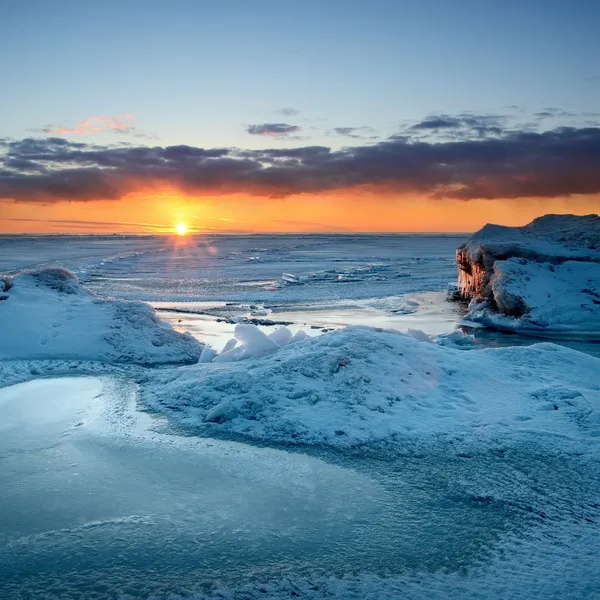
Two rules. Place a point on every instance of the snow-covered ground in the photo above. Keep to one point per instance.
(102, 501)
(48, 314)
(364, 386)
(291, 461)
(541, 279)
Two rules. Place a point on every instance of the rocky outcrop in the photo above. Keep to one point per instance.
(552, 238)
(543, 277)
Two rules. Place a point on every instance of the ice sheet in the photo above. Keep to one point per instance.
(100, 502)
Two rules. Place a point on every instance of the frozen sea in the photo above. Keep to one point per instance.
(105, 497)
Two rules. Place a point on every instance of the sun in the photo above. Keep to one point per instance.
(181, 228)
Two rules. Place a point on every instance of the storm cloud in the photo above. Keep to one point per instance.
(561, 162)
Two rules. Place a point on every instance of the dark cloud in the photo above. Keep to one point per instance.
(438, 123)
(288, 112)
(273, 129)
(464, 125)
(561, 162)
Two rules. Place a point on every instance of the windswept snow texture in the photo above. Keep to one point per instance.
(361, 385)
(543, 278)
(47, 314)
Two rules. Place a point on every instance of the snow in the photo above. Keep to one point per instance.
(477, 466)
(48, 314)
(542, 279)
(552, 238)
(543, 299)
(282, 336)
(364, 386)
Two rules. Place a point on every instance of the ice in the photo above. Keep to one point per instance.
(543, 278)
(419, 335)
(299, 336)
(98, 503)
(256, 343)
(48, 314)
(363, 386)
(229, 345)
(207, 355)
(215, 267)
(282, 336)
(290, 278)
(477, 467)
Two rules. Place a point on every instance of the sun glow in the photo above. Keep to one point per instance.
(181, 228)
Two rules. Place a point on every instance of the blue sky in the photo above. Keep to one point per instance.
(366, 115)
(200, 72)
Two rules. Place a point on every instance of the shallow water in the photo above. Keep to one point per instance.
(97, 501)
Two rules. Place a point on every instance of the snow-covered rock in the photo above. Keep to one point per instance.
(48, 314)
(543, 278)
(361, 385)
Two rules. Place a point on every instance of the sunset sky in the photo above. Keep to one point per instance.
(338, 115)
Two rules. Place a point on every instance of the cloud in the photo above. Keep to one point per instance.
(83, 224)
(288, 112)
(273, 129)
(464, 124)
(117, 124)
(515, 164)
(355, 132)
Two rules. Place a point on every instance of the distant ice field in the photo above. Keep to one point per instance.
(244, 268)
(200, 283)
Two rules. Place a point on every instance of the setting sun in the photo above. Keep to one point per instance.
(181, 228)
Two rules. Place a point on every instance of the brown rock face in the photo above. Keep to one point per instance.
(470, 276)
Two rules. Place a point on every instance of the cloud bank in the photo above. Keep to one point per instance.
(561, 162)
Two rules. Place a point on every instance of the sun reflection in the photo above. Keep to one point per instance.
(181, 228)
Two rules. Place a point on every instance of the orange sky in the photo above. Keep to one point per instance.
(361, 213)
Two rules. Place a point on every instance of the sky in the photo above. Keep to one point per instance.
(345, 115)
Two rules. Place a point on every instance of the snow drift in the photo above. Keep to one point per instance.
(48, 314)
(542, 278)
(361, 385)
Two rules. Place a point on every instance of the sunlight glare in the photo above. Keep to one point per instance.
(181, 228)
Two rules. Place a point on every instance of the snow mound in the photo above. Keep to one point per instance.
(48, 314)
(542, 278)
(361, 385)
